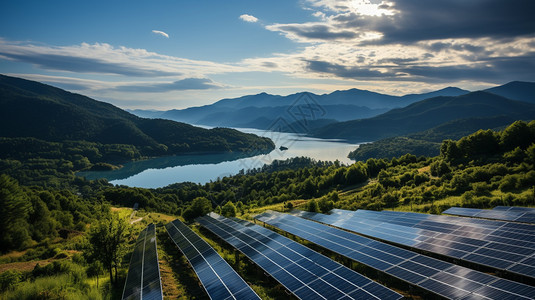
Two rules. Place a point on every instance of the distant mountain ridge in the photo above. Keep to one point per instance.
(427, 114)
(32, 109)
(261, 110)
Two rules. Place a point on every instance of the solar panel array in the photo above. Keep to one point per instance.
(439, 277)
(143, 279)
(217, 277)
(515, 208)
(451, 240)
(505, 215)
(302, 271)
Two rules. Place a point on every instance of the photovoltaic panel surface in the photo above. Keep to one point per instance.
(217, 277)
(505, 215)
(302, 271)
(446, 239)
(515, 208)
(439, 277)
(143, 279)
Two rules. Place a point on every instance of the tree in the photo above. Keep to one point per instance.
(517, 134)
(108, 242)
(312, 206)
(357, 173)
(14, 210)
(228, 210)
(325, 205)
(200, 206)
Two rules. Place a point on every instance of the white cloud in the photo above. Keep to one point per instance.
(158, 32)
(249, 18)
(102, 58)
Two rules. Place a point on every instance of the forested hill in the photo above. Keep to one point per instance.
(32, 109)
(427, 114)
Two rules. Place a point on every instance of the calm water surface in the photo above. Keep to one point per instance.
(162, 171)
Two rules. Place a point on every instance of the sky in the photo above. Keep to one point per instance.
(175, 54)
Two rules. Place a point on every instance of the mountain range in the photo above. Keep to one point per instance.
(262, 110)
(429, 113)
(32, 109)
(362, 116)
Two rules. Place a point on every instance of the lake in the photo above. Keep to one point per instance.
(162, 171)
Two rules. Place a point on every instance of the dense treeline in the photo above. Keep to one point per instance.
(31, 215)
(484, 169)
(428, 142)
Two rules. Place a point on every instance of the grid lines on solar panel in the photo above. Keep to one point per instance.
(439, 277)
(217, 277)
(504, 215)
(143, 279)
(302, 271)
(515, 208)
(507, 251)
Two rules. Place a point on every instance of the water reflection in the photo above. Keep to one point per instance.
(162, 171)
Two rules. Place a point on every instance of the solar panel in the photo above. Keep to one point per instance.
(217, 277)
(302, 271)
(143, 279)
(505, 215)
(496, 254)
(506, 232)
(515, 208)
(439, 277)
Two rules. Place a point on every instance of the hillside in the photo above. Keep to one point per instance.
(427, 114)
(32, 109)
(427, 143)
(516, 90)
(261, 110)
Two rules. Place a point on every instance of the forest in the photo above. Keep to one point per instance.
(48, 213)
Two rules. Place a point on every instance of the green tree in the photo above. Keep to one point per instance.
(325, 205)
(530, 152)
(14, 209)
(108, 242)
(357, 173)
(228, 210)
(200, 206)
(517, 134)
(312, 206)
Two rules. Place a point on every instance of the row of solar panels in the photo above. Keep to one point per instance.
(504, 213)
(498, 247)
(143, 279)
(308, 274)
(436, 276)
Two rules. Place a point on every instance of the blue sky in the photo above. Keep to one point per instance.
(176, 54)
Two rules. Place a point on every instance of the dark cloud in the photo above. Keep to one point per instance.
(397, 61)
(269, 64)
(180, 85)
(83, 64)
(318, 31)
(427, 20)
(418, 20)
(343, 71)
(496, 70)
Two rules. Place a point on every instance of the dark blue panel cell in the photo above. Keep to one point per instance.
(517, 288)
(306, 293)
(325, 289)
(406, 275)
(341, 283)
(380, 291)
(419, 268)
(443, 289)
